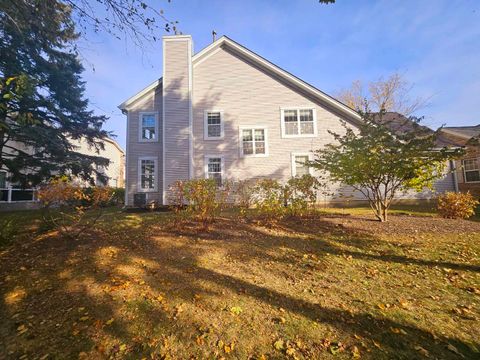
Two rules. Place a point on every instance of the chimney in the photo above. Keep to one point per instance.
(177, 110)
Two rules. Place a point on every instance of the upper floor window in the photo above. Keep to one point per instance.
(147, 167)
(300, 122)
(471, 170)
(148, 127)
(213, 125)
(253, 141)
(214, 168)
(299, 167)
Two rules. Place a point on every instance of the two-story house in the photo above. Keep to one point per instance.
(226, 112)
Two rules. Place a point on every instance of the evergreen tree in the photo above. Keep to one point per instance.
(42, 101)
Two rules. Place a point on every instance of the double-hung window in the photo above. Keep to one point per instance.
(253, 141)
(298, 122)
(148, 129)
(214, 168)
(471, 170)
(299, 167)
(213, 125)
(147, 171)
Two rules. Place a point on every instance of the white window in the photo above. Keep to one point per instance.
(213, 125)
(214, 168)
(298, 122)
(299, 168)
(147, 174)
(471, 170)
(253, 141)
(148, 129)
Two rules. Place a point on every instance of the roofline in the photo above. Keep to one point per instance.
(453, 132)
(266, 63)
(114, 143)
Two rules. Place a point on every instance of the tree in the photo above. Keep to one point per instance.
(391, 94)
(378, 162)
(42, 102)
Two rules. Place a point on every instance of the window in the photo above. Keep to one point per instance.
(298, 164)
(147, 180)
(253, 141)
(213, 125)
(3, 180)
(471, 170)
(214, 168)
(298, 122)
(148, 127)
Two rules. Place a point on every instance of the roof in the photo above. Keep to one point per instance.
(224, 41)
(467, 132)
(114, 143)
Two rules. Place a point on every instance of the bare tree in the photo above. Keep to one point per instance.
(389, 94)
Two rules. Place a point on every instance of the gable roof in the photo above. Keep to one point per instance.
(224, 41)
(463, 131)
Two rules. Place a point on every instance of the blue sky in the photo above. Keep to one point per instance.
(435, 44)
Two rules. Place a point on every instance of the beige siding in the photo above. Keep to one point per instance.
(151, 102)
(177, 105)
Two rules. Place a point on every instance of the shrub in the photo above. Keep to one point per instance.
(67, 207)
(118, 196)
(269, 196)
(300, 194)
(452, 205)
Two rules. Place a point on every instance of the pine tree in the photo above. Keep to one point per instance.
(42, 102)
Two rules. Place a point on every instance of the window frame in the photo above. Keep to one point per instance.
(140, 126)
(297, 109)
(205, 125)
(222, 166)
(155, 174)
(253, 128)
(465, 171)
(294, 163)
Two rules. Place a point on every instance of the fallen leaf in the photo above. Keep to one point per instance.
(278, 344)
(236, 310)
(109, 321)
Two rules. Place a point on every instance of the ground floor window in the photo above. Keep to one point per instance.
(471, 170)
(214, 168)
(299, 167)
(147, 167)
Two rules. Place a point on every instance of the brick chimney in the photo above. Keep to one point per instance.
(177, 110)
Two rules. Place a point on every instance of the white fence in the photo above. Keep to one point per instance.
(13, 195)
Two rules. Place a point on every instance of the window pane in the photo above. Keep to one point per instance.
(147, 174)
(291, 128)
(470, 164)
(259, 134)
(300, 167)
(217, 177)
(306, 115)
(213, 118)
(472, 176)
(248, 147)
(290, 115)
(3, 180)
(214, 130)
(306, 128)
(247, 135)
(259, 147)
(148, 120)
(214, 165)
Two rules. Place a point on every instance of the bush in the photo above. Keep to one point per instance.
(452, 205)
(300, 194)
(118, 196)
(68, 207)
(268, 198)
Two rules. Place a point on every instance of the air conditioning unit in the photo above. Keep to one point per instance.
(140, 200)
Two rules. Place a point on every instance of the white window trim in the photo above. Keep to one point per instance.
(282, 122)
(240, 138)
(465, 171)
(140, 120)
(294, 167)
(222, 164)
(155, 174)
(205, 125)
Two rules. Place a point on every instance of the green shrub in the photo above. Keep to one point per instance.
(300, 194)
(118, 196)
(452, 205)
(269, 196)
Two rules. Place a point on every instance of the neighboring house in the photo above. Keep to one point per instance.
(115, 172)
(468, 168)
(227, 113)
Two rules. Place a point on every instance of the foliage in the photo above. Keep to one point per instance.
(118, 196)
(200, 199)
(379, 162)
(300, 194)
(42, 104)
(8, 229)
(269, 199)
(453, 205)
(244, 191)
(68, 208)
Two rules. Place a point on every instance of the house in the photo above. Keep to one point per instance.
(226, 112)
(468, 167)
(13, 196)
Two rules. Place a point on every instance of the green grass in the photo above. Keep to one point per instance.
(134, 287)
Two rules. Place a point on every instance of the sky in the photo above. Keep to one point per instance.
(435, 44)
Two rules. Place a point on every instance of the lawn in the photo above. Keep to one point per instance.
(340, 286)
